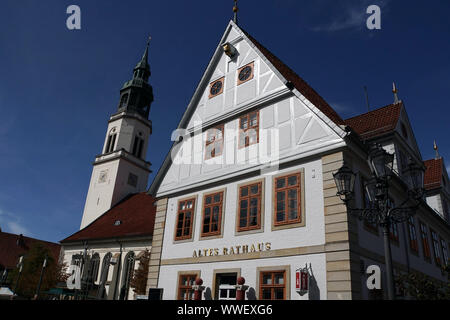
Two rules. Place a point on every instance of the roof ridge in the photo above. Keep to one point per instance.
(34, 239)
(371, 111)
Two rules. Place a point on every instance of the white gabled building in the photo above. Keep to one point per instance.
(248, 191)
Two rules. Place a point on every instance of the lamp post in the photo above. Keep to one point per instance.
(381, 211)
(44, 265)
(20, 266)
(4, 276)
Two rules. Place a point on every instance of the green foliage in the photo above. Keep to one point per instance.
(139, 280)
(31, 271)
(421, 287)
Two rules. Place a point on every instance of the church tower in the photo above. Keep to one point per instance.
(121, 169)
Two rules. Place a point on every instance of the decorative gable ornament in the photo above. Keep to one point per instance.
(229, 50)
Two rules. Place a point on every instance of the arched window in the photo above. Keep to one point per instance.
(138, 146)
(104, 275)
(127, 274)
(111, 143)
(95, 264)
(124, 100)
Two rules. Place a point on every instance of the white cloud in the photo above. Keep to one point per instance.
(351, 16)
(16, 228)
(11, 223)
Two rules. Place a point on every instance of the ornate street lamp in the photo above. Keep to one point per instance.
(415, 174)
(381, 211)
(381, 162)
(345, 182)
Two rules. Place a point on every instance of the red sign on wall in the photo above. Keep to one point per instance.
(302, 280)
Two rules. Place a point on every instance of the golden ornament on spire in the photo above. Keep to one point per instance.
(436, 149)
(395, 92)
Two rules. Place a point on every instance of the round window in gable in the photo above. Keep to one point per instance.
(117, 223)
(216, 88)
(245, 73)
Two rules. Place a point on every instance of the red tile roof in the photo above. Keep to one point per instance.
(12, 246)
(136, 214)
(376, 122)
(433, 173)
(300, 84)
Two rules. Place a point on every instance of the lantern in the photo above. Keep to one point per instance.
(302, 280)
(414, 176)
(380, 162)
(345, 182)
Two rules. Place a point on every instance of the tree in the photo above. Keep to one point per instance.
(421, 287)
(32, 265)
(139, 280)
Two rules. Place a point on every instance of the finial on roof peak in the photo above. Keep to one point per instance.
(436, 149)
(395, 92)
(235, 10)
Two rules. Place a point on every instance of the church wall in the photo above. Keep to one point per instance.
(102, 249)
(123, 187)
(101, 188)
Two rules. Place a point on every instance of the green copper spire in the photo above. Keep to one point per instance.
(143, 64)
(136, 94)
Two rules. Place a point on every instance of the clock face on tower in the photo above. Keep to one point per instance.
(103, 176)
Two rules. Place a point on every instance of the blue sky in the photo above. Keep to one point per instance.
(59, 87)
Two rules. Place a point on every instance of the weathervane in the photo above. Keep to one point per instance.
(235, 10)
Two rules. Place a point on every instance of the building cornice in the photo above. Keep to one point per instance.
(108, 240)
(125, 155)
(122, 115)
(251, 171)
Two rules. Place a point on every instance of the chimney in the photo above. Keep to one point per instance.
(20, 241)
